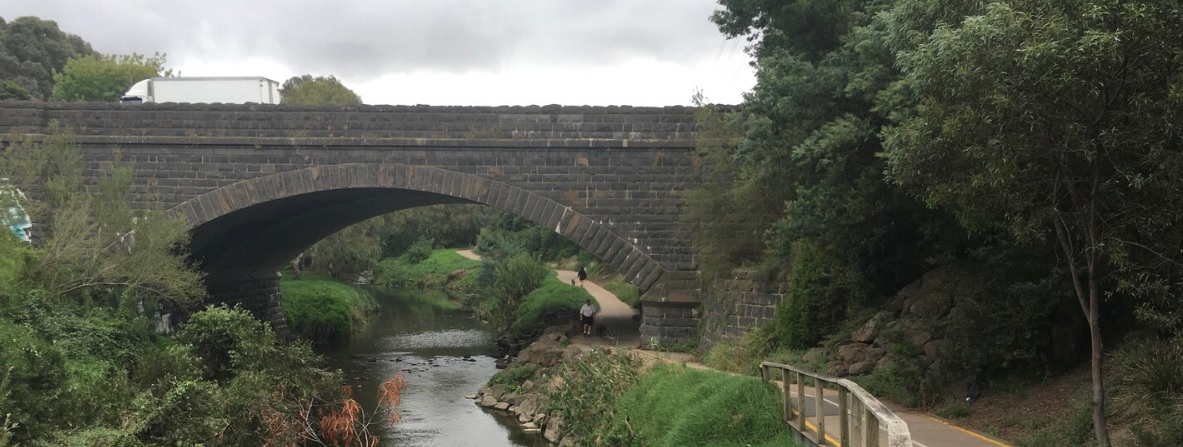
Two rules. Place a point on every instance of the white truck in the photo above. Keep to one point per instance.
(227, 90)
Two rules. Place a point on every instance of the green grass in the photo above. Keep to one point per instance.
(324, 310)
(440, 270)
(624, 291)
(676, 406)
(553, 295)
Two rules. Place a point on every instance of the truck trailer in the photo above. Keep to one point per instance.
(227, 90)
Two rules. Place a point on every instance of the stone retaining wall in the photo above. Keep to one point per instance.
(739, 303)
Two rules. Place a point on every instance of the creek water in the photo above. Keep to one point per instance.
(443, 355)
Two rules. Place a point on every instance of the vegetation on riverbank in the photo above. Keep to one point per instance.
(549, 297)
(81, 362)
(608, 398)
(321, 309)
(429, 269)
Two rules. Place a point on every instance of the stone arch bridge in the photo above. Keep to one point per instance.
(260, 184)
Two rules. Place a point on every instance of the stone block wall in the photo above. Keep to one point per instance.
(668, 323)
(259, 296)
(623, 168)
(738, 303)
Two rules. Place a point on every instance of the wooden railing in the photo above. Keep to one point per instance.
(859, 415)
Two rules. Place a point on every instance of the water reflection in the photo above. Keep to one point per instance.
(444, 354)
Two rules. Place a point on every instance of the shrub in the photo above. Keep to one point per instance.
(817, 298)
(551, 296)
(586, 396)
(419, 251)
(217, 332)
(514, 279)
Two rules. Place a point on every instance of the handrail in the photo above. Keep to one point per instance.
(859, 413)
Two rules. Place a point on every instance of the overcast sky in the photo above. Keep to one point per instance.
(440, 52)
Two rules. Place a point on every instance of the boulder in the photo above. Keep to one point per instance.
(918, 337)
(528, 404)
(528, 385)
(543, 354)
(554, 430)
(935, 348)
(511, 397)
(497, 391)
(836, 369)
(487, 401)
(861, 368)
(503, 406)
(868, 332)
(852, 353)
(859, 352)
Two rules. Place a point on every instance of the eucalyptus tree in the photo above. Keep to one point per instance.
(31, 50)
(1041, 120)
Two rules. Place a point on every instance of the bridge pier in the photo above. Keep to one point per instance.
(670, 311)
(257, 295)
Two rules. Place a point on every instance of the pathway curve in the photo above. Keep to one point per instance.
(618, 318)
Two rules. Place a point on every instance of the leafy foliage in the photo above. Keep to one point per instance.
(307, 89)
(12, 90)
(806, 313)
(349, 252)
(105, 78)
(31, 50)
(138, 245)
(1040, 120)
(586, 396)
(514, 279)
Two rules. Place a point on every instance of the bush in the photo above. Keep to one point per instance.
(33, 378)
(742, 355)
(552, 296)
(514, 279)
(817, 298)
(586, 396)
(419, 251)
(673, 405)
(215, 334)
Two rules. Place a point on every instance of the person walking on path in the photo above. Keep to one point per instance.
(586, 314)
(582, 275)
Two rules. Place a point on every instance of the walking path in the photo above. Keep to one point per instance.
(624, 331)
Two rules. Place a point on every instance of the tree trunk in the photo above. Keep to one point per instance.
(1098, 406)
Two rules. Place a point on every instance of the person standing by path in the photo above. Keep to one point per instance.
(586, 314)
(582, 275)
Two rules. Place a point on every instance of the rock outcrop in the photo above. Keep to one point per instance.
(526, 400)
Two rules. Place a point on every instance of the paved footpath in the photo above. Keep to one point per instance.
(624, 331)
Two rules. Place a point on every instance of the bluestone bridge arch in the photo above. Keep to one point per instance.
(261, 183)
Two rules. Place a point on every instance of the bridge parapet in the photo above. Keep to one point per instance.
(518, 126)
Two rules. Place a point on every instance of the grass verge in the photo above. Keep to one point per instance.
(323, 310)
(624, 291)
(553, 295)
(674, 405)
(444, 269)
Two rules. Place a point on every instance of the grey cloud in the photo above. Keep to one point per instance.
(365, 39)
